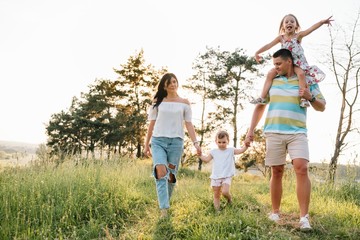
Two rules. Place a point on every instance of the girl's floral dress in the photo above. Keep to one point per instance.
(312, 73)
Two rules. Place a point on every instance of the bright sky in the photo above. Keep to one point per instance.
(53, 50)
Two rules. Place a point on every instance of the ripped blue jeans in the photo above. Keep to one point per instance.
(166, 151)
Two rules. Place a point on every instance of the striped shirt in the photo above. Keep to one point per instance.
(285, 115)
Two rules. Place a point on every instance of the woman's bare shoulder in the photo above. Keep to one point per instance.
(185, 100)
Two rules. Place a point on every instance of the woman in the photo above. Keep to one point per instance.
(166, 132)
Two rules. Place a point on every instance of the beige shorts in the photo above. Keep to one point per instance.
(220, 181)
(278, 145)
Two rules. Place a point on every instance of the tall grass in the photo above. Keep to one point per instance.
(117, 200)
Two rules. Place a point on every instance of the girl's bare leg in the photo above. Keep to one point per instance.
(265, 90)
(267, 84)
(302, 84)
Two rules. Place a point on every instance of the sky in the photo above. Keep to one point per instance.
(52, 50)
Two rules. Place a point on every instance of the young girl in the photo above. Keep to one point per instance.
(223, 167)
(167, 116)
(290, 38)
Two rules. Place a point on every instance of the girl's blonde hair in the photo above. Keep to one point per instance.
(281, 28)
(221, 134)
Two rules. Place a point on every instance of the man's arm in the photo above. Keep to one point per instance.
(257, 114)
(316, 103)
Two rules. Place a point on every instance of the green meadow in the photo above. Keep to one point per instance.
(116, 199)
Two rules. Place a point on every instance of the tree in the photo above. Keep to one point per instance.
(228, 76)
(97, 115)
(111, 116)
(138, 81)
(345, 57)
(198, 84)
(97, 121)
(61, 132)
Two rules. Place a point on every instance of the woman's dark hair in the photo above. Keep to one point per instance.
(161, 92)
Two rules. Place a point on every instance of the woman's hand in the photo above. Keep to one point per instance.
(147, 151)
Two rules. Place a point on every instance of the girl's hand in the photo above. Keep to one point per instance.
(258, 58)
(327, 21)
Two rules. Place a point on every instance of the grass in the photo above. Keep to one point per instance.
(117, 200)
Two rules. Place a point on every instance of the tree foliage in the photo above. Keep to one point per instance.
(255, 155)
(111, 116)
(221, 80)
(229, 77)
(136, 79)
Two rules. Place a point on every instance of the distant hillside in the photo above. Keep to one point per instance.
(14, 147)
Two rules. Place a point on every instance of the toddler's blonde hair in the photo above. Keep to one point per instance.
(221, 134)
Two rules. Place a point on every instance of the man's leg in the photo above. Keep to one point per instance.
(303, 185)
(276, 187)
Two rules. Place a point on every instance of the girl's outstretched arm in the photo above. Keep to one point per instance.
(314, 27)
(266, 47)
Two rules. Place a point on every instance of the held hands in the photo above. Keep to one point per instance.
(249, 138)
(198, 149)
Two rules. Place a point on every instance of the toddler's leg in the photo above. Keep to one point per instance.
(302, 84)
(217, 194)
(226, 192)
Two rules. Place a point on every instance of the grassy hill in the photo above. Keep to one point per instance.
(16, 153)
(116, 199)
(20, 147)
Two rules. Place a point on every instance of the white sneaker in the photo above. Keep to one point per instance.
(274, 217)
(304, 223)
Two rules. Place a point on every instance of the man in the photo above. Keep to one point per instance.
(285, 132)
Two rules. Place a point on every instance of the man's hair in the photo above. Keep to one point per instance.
(284, 54)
